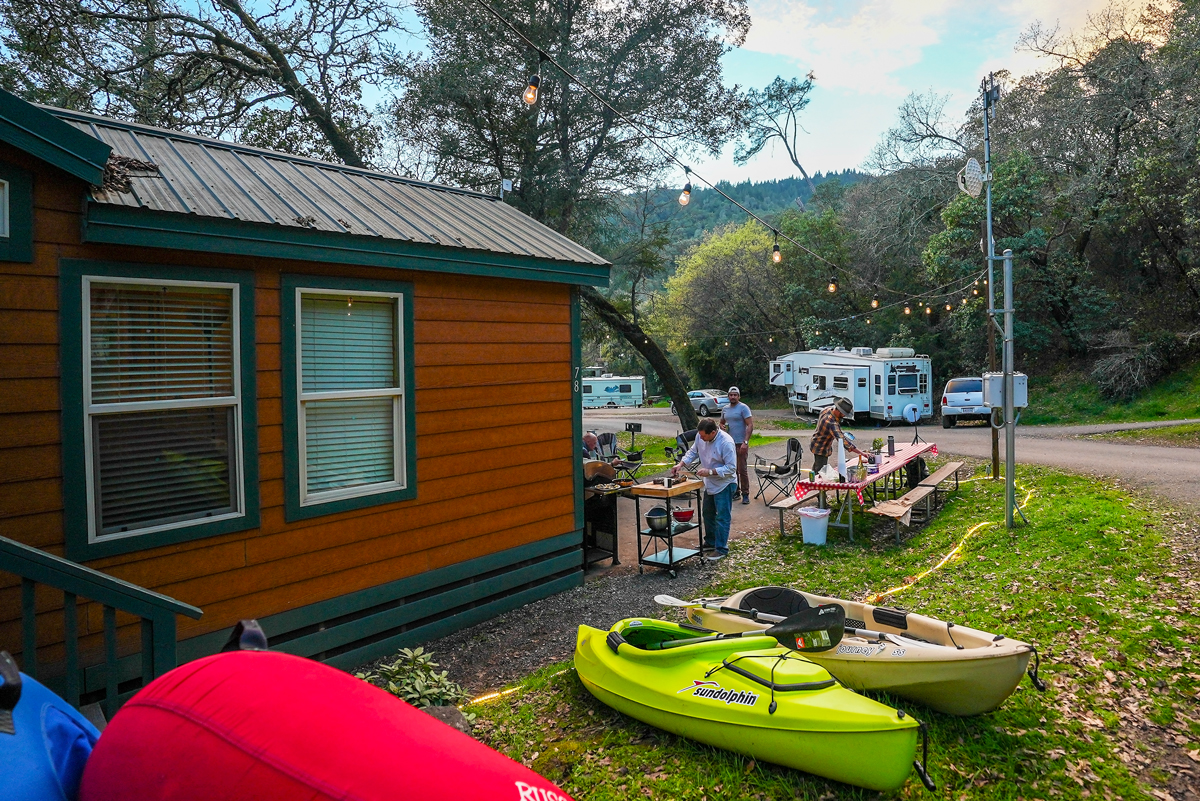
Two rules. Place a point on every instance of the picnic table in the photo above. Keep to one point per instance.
(855, 489)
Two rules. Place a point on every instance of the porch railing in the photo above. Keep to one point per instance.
(157, 613)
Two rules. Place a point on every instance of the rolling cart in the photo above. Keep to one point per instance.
(658, 548)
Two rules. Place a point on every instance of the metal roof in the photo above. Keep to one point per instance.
(225, 181)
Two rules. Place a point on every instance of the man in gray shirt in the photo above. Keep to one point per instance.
(738, 421)
(714, 450)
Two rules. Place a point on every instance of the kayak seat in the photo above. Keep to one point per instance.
(647, 636)
(782, 601)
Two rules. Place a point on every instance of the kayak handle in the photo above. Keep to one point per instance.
(1033, 672)
(615, 641)
(919, 767)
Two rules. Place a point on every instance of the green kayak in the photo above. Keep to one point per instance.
(748, 695)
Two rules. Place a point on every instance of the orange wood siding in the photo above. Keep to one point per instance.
(495, 448)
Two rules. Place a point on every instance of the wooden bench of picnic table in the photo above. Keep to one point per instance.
(943, 473)
(791, 504)
(901, 509)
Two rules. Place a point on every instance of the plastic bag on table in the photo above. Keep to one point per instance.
(828, 473)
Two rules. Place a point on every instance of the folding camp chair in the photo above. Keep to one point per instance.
(778, 478)
(628, 462)
(683, 442)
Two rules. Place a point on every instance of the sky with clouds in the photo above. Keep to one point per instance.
(868, 55)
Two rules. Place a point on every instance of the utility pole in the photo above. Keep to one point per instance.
(1010, 424)
(991, 94)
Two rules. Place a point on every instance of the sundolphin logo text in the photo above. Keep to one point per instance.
(531, 793)
(710, 689)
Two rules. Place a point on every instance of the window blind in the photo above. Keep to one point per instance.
(152, 343)
(347, 343)
(159, 467)
(350, 443)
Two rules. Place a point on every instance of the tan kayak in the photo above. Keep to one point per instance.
(947, 667)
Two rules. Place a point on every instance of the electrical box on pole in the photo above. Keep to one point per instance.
(993, 390)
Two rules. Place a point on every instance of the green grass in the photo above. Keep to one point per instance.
(1091, 582)
(1182, 436)
(1070, 397)
(788, 425)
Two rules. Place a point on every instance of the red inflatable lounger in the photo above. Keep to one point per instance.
(265, 726)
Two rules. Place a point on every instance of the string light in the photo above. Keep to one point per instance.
(727, 343)
(974, 291)
(875, 302)
(965, 299)
(685, 197)
(531, 91)
(776, 256)
(949, 305)
(868, 321)
(907, 308)
(929, 310)
(833, 284)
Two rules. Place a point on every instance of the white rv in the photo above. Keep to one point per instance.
(603, 389)
(880, 383)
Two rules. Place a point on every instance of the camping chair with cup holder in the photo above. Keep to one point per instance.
(778, 478)
(683, 442)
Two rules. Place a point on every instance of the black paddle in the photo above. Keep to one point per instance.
(817, 628)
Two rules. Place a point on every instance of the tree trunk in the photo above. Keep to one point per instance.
(646, 346)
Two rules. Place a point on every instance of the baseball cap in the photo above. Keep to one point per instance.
(735, 389)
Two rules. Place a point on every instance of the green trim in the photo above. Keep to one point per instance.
(118, 225)
(292, 510)
(18, 245)
(75, 500)
(28, 128)
(577, 402)
(362, 624)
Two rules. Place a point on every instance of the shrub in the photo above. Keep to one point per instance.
(414, 678)
(1122, 376)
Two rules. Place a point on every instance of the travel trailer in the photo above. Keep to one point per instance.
(880, 383)
(601, 389)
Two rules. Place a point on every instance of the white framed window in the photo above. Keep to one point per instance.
(4, 201)
(841, 382)
(162, 401)
(350, 398)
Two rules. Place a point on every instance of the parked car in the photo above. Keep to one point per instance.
(707, 401)
(962, 399)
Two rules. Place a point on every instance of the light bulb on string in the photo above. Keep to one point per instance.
(776, 256)
(965, 299)
(875, 302)
(907, 308)
(685, 197)
(929, 310)
(531, 91)
(974, 291)
(868, 321)
(727, 343)
(949, 305)
(833, 284)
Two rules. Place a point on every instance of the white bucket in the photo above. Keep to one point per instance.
(814, 524)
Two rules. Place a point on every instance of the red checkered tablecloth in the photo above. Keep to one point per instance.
(904, 455)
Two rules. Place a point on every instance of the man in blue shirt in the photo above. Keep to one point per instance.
(737, 419)
(714, 450)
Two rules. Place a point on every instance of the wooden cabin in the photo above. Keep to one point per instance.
(271, 387)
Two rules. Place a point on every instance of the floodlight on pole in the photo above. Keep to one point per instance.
(970, 178)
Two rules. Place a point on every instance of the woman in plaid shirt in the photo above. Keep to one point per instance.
(829, 431)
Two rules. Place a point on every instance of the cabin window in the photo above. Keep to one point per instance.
(841, 382)
(350, 428)
(924, 383)
(892, 384)
(587, 389)
(878, 385)
(159, 421)
(862, 382)
(818, 381)
(3, 209)
(16, 214)
(908, 383)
